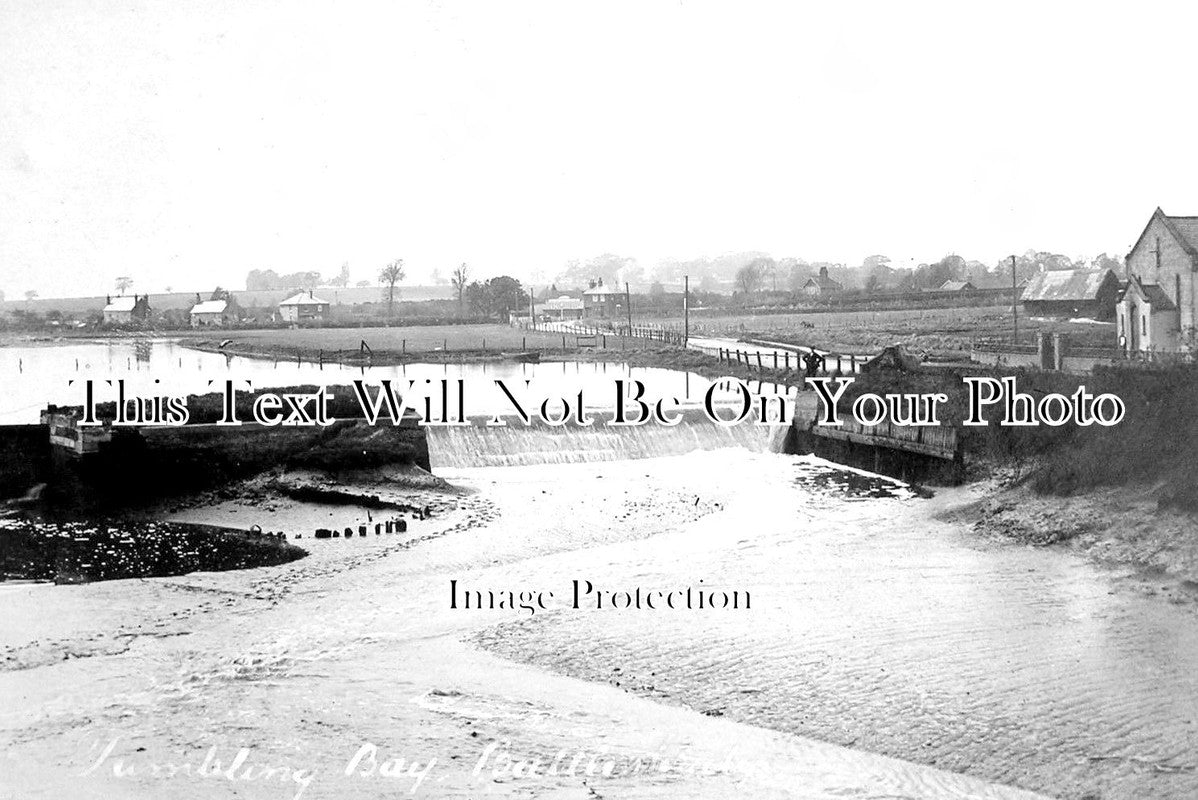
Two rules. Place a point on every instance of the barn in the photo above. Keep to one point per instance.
(1090, 293)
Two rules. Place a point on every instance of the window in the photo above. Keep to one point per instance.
(1144, 324)
(1158, 252)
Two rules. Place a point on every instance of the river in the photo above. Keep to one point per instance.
(885, 654)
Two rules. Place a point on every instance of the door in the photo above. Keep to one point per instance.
(1133, 328)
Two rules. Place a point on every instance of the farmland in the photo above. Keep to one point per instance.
(944, 333)
(394, 343)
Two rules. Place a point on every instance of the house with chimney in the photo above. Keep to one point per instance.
(219, 311)
(602, 301)
(126, 309)
(1156, 310)
(822, 285)
(303, 307)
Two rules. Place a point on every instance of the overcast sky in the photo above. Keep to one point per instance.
(184, 143)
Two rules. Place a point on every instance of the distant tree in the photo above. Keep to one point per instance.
(123, 283)
(1103, 261)
(499, 296)
(390, 275)
(458, 279)
(610, 267)
(507, 295)
(362, 284)
(31, 294)
(749, 278)
(257, 280)
(342, 278)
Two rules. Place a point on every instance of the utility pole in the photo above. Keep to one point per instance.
(532, 307)
(686, 310)
(628, 302)
(1014, 305)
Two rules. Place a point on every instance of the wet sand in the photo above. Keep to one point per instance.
(871, 627)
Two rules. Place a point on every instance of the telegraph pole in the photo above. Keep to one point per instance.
(1014, 305)
(686, 310)
(628, 302)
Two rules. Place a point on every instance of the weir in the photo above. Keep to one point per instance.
(517, 444)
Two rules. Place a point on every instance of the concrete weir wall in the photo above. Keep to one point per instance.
(516, 444)
(892, 461)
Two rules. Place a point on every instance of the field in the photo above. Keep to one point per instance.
(438, 340)
(945, 333)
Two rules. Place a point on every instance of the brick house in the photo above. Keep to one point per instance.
(1157, 309)
(602, 301)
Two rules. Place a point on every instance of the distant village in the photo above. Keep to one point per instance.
(1148, 298)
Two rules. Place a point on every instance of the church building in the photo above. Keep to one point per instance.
(1156, 310)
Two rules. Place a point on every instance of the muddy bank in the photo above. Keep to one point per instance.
(81, 552)
(1122, 528)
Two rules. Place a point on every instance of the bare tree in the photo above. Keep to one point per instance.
(31, 294)
(749, 277)
(123, 283)
(389, 276)
(459, 279)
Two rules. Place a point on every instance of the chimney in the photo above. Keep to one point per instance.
(601, 281)
(310, 297)
(197, 298)
(823, 272)
(107, 299)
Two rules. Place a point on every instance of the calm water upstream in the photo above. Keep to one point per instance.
(34, 376)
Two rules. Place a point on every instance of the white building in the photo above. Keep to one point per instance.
(214, 313)
(303, 307)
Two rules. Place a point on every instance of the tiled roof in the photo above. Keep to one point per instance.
(1152, 293)
(1066, 284)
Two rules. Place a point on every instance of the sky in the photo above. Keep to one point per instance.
(185, 143)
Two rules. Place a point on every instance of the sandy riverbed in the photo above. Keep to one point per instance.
(871, 627)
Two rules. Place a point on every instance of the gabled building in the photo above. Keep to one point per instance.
(602, 301)
(822, 285)
(956, 286)
(564, 307)
(213, 313)
(303, 307)
(1089, 293)
(126, 309)
(1157, 309)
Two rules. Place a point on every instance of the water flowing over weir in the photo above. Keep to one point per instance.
(516, 444)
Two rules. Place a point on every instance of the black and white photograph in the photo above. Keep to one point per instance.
(628, 400)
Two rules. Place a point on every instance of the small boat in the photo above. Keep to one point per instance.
(530, 357)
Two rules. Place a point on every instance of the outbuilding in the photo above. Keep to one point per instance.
(1089, 293)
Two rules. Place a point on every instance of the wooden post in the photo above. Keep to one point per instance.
(405, 347)
(1014, 305)
(523, 342)
(686, 310)
(628, 302)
